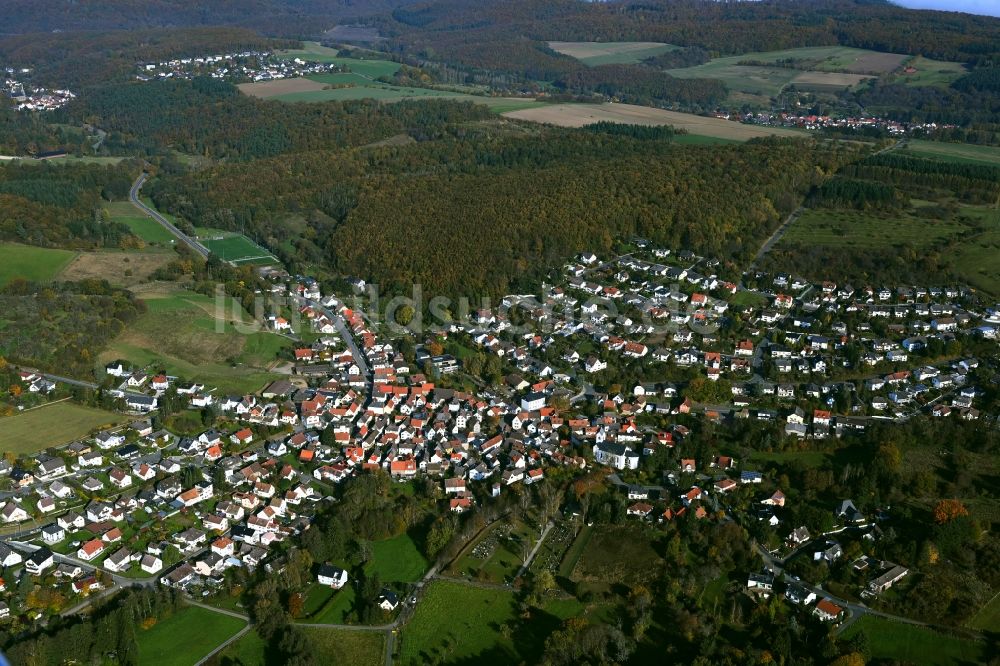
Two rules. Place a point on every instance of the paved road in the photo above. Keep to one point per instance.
(184, 238)
(338, 322)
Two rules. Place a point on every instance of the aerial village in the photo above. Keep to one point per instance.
(142, 505)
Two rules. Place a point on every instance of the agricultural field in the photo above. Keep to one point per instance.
(953, 152)
(269, 89)
(235, 248)
(52, 425)
(188, 335)
(119, 267)
(611, 53)
(820, 68)
(579, 115)
(141, 225)
(38, 264)
(370, 68)
(202, 631)
(397, 560)
(908, 643)
(931, 72)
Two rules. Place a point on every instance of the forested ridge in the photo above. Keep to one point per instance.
(212, 118)
(56, 205)
(494, 210)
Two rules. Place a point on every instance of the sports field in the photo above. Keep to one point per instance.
(235, 248)
(27, 262)
(579, 115)
(611, 53)
(52, 425)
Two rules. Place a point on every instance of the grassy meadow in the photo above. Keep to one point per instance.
(397, 560)
(185, 637)
(911, 644)
(52, 425)
(141, 225)
(953, 152)
(38, 264)
(186, 334)
(931, 72)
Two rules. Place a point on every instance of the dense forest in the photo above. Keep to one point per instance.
(56, 204)
(212, 118)
(56, 327)
(486, 209)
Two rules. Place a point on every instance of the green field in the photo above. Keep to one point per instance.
(250, 650)
(397, 560)
(456, 623)
(328, 646)
(988, 617)
(331, 606)
(189, 336)
(73, 159)
(932, 72)
(52, 425)
(977, 261)
(917, 645)
(860, 230)
(185, 637)
(758, 81)
(343, 646)
(141, 225)
(954, 152)
(391, 93)
(38, 264)
(369, 68)
(611, 53)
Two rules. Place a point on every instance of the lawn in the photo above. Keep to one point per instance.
(31, 263)
(397, 560)
(250, 650)
(141, 225)
(988, 617)
(333, 609)
(954, 152)
(932, 72)
(611, 53)
(192, 336)
(52, 425)
(618, 554)
(343, 646)
(185, 637)
(919, 645)
(459, 622)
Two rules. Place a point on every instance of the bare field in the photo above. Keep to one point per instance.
(265, 89)
(118, 268)
(829, 79)
(579, 115)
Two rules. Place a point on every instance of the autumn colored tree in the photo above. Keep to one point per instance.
(948, 510)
